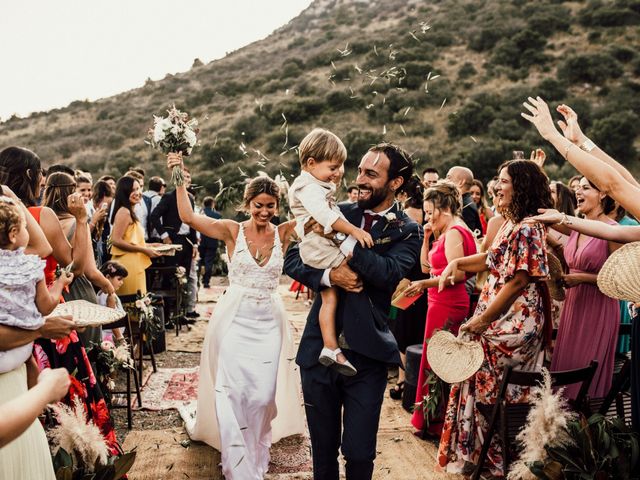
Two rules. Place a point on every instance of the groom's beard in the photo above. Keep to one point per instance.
(375, 199)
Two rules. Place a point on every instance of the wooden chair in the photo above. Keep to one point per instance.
(124, 322)
(617, 402)
(161, 280)
(508, 419)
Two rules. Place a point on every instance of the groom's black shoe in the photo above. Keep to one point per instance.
(193, 314)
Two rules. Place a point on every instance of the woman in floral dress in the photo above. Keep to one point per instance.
(510, 318)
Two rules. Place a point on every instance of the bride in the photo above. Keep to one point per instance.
(248, 389)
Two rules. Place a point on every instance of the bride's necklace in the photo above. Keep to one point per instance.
(262, 253)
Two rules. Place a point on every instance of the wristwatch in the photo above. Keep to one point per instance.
(339, 237)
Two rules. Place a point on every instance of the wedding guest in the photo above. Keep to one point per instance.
(208, 246)
(59, 187)
(166, 221)
(62, 347)
(429, 177)
(151, 198)
(574, 183)
(352, 193)
(99, 225)
(478, 196)
(509, 318)
(590, 320)
(24, 451)
(110, 180)
(462, 177)
(408, 325)
(448, 308)
(127, 238)
(84, 187)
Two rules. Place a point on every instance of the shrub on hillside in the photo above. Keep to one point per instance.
(339, 100)
(523, 49)
(551, 89)
(357, 143)
(467, 70)
(472, 118)
(622, 53)
(616, 133)
(598, 14)
(593, 68)
(547, 19)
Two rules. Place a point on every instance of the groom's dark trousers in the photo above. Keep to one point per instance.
(344, 412)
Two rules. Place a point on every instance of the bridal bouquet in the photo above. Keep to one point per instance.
(174, 133)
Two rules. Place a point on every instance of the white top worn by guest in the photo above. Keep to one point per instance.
(312, 198)
(19, 274)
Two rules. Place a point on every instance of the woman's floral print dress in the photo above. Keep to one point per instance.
(514, 339)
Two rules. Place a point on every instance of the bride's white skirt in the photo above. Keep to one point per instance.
(247, 379)
(245, 390)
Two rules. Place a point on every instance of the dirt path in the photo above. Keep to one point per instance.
(165, 452)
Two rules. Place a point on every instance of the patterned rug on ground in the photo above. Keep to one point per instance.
(170, 388)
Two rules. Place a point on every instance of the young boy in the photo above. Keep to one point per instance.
(312, 196)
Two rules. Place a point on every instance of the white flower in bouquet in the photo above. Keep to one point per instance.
(80, 437)
(174, 134)
(107, 345)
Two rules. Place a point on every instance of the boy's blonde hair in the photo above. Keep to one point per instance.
(10, 218)
(321, 145)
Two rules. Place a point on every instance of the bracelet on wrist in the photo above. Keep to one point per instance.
(587, 145)
(565, 220)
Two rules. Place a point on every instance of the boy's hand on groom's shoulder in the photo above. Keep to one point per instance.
(342, 276)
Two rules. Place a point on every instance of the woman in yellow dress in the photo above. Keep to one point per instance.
(127, 237)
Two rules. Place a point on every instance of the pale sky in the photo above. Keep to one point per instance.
(55, 51)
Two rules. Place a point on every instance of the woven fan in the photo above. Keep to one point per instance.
(167, 248)
(619, 277)
(454, 359)
(87, 314)
(555, 277)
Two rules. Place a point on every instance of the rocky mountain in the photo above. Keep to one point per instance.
(443, 78)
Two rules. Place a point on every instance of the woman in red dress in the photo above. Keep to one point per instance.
(447, 309)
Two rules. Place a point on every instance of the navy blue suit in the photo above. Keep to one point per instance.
(362, 317)
(208, 249)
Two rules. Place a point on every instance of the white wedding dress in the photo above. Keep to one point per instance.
(248, 388)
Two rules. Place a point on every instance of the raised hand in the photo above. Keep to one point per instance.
(540, 117)
(538, 157)
(75, 204)
(570, 127)
(174, 160)
(548, 216)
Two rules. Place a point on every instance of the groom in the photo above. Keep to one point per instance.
(344, 411)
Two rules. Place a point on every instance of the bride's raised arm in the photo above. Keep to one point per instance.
(218, 229)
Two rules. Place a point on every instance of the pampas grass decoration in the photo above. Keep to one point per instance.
(546, 425)
(78, 436)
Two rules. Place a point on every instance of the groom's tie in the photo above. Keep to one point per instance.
(369, 218)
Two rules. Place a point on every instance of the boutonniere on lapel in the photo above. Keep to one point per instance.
(392, 221)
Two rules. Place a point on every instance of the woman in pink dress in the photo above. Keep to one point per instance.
(590, 320)
(447, 309)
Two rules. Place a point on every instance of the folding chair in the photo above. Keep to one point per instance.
(124, 322)
(617, 402)
(509, 418)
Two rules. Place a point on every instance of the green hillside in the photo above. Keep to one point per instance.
(445, 79)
